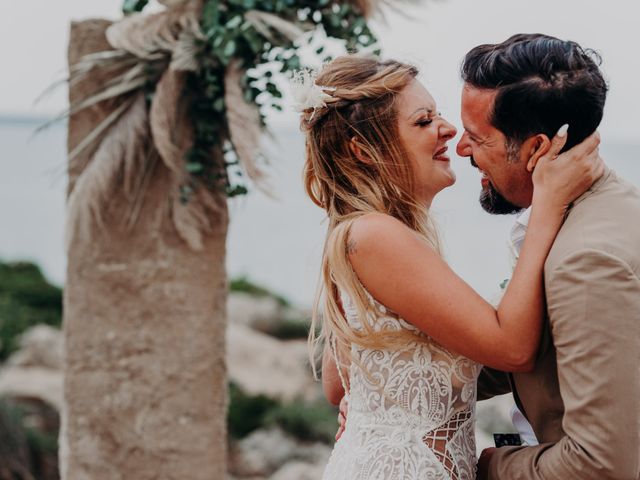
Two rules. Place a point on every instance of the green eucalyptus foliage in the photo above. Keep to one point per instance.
(230, 36)
(131, 6)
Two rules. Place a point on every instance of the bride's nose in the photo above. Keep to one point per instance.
(448, 131)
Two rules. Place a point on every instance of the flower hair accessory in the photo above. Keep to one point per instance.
(307, 94)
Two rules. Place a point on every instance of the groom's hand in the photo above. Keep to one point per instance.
(342, 417)
(482, 472)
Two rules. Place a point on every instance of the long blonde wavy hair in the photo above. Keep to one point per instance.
(361, 109)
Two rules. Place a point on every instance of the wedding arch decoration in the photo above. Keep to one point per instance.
(218, 60)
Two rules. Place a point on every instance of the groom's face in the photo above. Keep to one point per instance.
(506, 183)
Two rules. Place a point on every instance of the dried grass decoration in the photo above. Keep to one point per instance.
(204, 71)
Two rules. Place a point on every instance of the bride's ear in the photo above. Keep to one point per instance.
(357, 151)
(538, 146)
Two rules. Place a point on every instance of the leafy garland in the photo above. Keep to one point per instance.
(230, 36)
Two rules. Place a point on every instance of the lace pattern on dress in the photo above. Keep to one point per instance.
(411, 409)
(444, 442)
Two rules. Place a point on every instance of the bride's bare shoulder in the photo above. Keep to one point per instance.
(371, 225)
(374, 234)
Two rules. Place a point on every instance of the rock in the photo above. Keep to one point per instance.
(267, 451)
(264, 314)
(262, 452)
(40, 346)
(255, 312)
(35, 371)
(261, 364)
(299, 471)
(44, 384)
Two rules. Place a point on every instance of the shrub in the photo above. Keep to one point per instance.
(28, 452)
(246, 412)
(305, 421)
(289, 329)
(243, 284)
(26, 299)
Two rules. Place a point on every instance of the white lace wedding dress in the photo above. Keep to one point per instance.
(411, 411)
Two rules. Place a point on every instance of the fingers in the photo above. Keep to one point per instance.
(571, 173)
(589, 145)
(342, 416)
(587, 153)
(341, 423)
(344, 405)
(558, 141)
(598, 169)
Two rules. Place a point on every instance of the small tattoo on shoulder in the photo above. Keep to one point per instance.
(351, 247)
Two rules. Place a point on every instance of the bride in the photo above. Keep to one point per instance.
(404, 336)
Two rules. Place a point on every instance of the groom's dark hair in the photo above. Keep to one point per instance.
(542, 82)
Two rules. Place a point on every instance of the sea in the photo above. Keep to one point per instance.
(274, 240)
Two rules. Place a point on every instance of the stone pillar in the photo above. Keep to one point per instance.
(144, 326)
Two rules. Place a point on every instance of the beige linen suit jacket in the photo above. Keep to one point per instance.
(583, 396)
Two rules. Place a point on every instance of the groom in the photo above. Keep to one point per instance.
(582, 398)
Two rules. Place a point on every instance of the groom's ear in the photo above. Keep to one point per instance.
(536, 147)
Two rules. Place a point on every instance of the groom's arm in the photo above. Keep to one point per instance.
(594, 309)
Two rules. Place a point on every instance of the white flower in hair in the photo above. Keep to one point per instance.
(306, 93)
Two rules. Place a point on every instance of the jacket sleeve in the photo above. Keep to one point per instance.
(594, 309)
(492, 383)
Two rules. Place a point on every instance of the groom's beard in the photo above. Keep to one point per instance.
(493, 202)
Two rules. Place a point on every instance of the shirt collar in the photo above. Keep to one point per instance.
(518, 231)
(519, 228)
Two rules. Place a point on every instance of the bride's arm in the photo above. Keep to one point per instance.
(410, 278)
(331, 383)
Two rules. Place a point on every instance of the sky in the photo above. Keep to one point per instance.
(433, 34)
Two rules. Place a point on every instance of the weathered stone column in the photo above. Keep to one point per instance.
(144, 324)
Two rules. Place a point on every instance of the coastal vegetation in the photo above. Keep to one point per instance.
(306, 421)
(26, 299)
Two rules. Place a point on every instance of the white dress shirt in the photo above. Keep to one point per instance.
(516, 238)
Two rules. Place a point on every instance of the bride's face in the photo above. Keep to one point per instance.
(424, 135)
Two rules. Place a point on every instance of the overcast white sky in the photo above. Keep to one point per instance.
(434, 34)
